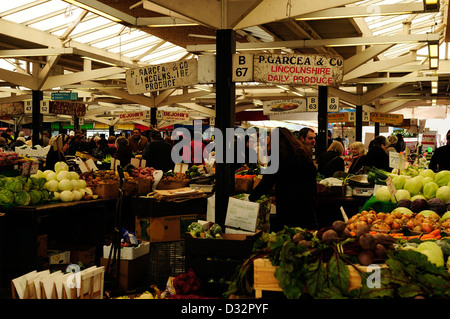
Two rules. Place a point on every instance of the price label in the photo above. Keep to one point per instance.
(333, 104)
(28, 107)
(312, 104)
(397, 160)
(391, 186)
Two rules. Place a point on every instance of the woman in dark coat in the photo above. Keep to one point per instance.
(295, 184)
(377, 156)
(331, 161)
(124, 152)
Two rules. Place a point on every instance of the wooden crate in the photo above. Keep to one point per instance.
(264, 276)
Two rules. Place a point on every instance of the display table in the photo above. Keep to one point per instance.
(27, 231)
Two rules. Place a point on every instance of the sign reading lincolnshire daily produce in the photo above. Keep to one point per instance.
(310, 69)
(162, 76)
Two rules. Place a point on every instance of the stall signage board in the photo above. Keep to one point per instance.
(11, 108)
(296, 69)
(162, 76)
(134, 116)
(67, 108)
(172, 115)
(64, 96)
(386, 118)
(284, 106)
(242, 214)
(338, 117)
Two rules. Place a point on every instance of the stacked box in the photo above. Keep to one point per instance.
(167, 259)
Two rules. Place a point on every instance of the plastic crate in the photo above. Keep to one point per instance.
(167, 259)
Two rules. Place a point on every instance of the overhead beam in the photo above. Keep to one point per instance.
(363, 11)
(194, 106)
(364, 56)
(395, 79)
(335, 42)
(392, 106)
(34, 52)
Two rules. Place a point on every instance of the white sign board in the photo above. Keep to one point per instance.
(242, 214)
(284, 106)
(297, 69)
(162, 76)
(28, 107)
(45, 107)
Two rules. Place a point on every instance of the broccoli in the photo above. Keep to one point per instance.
(195, 229)
(215, 230)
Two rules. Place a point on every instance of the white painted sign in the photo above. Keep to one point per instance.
(333, 104)
(366, 116)
(28, 107)
(352, 116)
(162, 76)
(206, 69)
(308, 69)
(284, 106)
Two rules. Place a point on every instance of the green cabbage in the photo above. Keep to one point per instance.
(35, 196)
(442, 178)
(445, 216)
(13, 184)
(22, 198)
(443, 193)
(427, 180)
(61, 166)
(429, 190)
(399, 181)
(413, 185)
(6, 197)
(400, 194)
(382, 194)
(418, 196)
(427, 173)
(403, 210)
(432, 251)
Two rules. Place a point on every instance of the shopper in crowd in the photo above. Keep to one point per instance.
(5, 147)
(295, 184)
(331, 161)
(197, 147)
(112, 148)
(440, 160)
(401, 145)
(137, 141)
(20, 141)
(358, 153)
(76, 143)
(157, 153)
(8, 135)
(307, 136)
(377, 156)
(101, 149)
(45, 138)
(392, 142)
(124, 153)
(56, 153)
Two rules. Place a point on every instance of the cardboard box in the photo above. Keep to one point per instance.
(83, 254)
(133, 273)
(57, 257)
(106, 191)
(129, 253)
(136, 187)
(165, 228)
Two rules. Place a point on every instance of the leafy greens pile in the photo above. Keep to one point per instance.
(309, 268)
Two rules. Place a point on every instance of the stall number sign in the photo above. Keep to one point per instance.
(312, 104)
(161, 77)
(333, 104)
(28, 107)
(297, 69)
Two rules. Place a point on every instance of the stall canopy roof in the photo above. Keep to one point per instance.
(85, 46)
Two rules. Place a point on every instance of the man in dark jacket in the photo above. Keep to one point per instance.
(441, 158)
(157, 153)
(377, 156)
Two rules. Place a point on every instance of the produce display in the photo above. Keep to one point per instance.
(10, 158)
(316, 264)
(209, 231)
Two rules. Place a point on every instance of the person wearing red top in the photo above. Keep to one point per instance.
(197, 148)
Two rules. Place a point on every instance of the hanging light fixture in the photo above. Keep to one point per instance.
(431, 5)
(433, 54)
